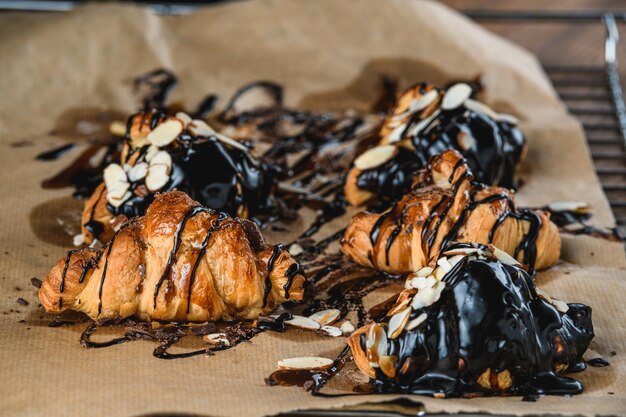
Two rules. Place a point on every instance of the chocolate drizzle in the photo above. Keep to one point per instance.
(175, 245)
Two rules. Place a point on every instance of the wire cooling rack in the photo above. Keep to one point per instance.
(592, 93)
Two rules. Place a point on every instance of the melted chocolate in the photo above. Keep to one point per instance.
(493, 156)
(488, 317)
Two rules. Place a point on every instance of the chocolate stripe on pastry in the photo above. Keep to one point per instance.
(179, 262)
(445, 205)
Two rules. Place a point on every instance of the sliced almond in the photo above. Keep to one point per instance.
(114, 176)
(117, 128)
(347, 327)
(157, 177)
(331, 331)
(478, 107)
(78, 239)
(508, 118)
(295, 249)
(455, 259)
(138, 172)
(375, 157)
(388, 365)
(455, 96)
(305, 362)
(439, 273)
(575, 206)
(200, 128)
(424, 123)
(303, 322)
(425, 271)
(161, 158)
(413, 324)
(183, 117)
(504, 257)
(396, 133)
(166, 132)
(445, 264)
(326, 316)
(152, 150)
(561, 306)
(117, 191)
(544, 295)
(419, 283)
(216, 338)
(118, 201)
(397, 323)
(424, 101)
(462, 251)
(427, 296)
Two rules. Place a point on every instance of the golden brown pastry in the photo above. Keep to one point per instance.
(426, 121)
(447, 205)
(179, 262)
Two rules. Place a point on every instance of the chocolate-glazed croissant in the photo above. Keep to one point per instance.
(426, 121)
(446, 205)
(475, 325)
(180, 262)
(162, 152)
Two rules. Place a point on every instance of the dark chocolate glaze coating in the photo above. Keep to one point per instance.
(489, 316)
(215, 174)
(493, 157)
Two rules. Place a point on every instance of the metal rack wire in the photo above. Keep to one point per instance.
(592, 93)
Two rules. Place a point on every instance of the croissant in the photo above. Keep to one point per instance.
(179, 262)
(426, 121)
(446, 204)
(162, 152)
(474, 325)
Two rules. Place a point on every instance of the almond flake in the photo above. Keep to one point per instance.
(427, 296)
(331, 331)
(445, 264)
(303, 322)
(138, 172)
(560, 305)
(575, 206)
(347, 327)
(152, 150)
(455, 96)
(200, 128)
(396, 134)
(216, 338)
(425, 271)
(326, 316)
(157, 177)
(544, 295)
(397, 323)
(231, 142)
(504, 257)
(78, 240)
(117, 128)
(376, 343)
(375, 157)
(114, 176)
(478, 107)
(118, 201)
(183, 117)
(295, 249)
(161, 158)
(166, 132)
(413, 324)
(508, 118)
(439, 273)
(305, 362)
(424, 123)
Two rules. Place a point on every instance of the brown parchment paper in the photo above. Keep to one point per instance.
(328, 54)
